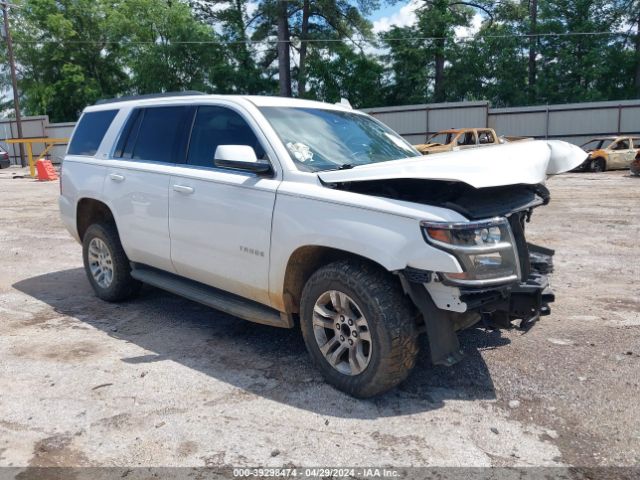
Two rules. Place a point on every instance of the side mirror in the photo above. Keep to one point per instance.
(239, 157)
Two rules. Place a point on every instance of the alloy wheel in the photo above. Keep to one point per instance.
(342, 332)
(100, 262)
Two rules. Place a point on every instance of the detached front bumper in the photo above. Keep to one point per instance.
(516, 305)
(524, 302)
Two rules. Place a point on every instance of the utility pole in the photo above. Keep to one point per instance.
(533, 42)
(284, 59)
(14, 79)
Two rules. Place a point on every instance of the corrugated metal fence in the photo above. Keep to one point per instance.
(575, 122)
(34, 127)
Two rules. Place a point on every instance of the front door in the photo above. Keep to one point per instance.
(220, 219)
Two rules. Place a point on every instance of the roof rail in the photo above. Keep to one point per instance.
(149, 95)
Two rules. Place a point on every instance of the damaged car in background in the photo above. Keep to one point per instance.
(455, 139)
(609, 153)
(300, 214)
(463, 138)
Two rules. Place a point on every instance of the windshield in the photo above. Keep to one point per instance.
(320, 139)
(596, 144)
(441, 138)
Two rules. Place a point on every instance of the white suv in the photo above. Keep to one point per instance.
(288, 212)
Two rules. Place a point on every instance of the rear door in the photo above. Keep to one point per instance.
(137, 180)
(619, 152)
(220, 219)
(631, 153)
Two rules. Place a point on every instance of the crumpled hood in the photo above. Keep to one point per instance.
(509, 164)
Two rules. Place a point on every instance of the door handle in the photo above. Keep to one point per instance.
(183, 189)
(116, 177)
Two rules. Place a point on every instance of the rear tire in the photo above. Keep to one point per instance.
(367, 344)
(106, 264)
(597, 165)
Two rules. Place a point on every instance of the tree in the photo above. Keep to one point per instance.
(342, 72)
(491, 65)
(74, 52)
(407, 66)
(284, 58)
(580, 67)
(533, 40)
(233, 19)
(166, 49)
(301, 24)
(64, 56)
(435, 31)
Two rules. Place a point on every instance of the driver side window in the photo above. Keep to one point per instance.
(215, 126)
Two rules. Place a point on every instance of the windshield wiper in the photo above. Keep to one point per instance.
(345, 166)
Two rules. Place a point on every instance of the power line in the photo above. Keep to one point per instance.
(318, 40)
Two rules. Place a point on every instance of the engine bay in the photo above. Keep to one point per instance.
(473, 203)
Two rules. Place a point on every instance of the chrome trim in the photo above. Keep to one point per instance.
(472, 249)
(490, 222)
(481, 283)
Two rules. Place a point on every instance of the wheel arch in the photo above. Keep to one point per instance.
(303, 262)
(90, 210)
(603, 158)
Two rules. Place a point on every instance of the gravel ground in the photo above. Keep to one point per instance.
(162, 381)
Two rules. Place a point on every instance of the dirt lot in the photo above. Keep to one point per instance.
(162, 381)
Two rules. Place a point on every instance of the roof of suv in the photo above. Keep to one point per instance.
(195, 98)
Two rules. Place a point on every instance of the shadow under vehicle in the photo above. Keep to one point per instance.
(265, 361)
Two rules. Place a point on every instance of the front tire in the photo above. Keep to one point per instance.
(359, 327)
(106, 264)
(597, 165)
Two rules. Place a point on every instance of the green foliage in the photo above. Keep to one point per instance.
(341, 72)
(71, 53)
(493, 63)
(166, 48)
(232, 20)
(64, 59)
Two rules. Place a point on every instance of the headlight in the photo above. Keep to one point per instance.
(485, 249)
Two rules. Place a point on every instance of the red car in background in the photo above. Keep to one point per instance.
(4, 158)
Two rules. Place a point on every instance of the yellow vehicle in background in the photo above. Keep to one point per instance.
(459, 139)
(609, 153)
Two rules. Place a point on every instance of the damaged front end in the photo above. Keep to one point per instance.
(504, 282)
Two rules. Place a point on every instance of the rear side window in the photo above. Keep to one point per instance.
(215, 126)
(90, 132)
(127, 140)
(485, 136)
(161, 135)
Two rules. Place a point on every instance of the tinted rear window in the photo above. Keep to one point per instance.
(162, 134)
(90, 132)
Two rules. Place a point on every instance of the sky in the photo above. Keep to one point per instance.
(401, 14)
